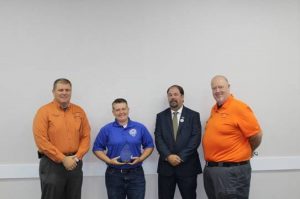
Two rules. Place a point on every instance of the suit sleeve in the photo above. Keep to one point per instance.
(161, 146)
(194, 140)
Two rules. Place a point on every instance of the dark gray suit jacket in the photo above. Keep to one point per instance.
(186, 144)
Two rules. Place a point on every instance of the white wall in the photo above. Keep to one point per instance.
(135, 49)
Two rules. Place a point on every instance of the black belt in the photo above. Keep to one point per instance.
(225, 164)
(69, 154)
(124, 170)
(40, 155)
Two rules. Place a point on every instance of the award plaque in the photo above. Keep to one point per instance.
(125, 155)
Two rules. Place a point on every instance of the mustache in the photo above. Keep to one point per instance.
(173, 103)
(173, 100)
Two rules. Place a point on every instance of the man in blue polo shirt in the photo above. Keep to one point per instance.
(119, 144)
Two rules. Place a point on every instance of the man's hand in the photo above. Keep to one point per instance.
(135, 160)
(115, 161)
(70, 162)
(174, 160)
(255, 141)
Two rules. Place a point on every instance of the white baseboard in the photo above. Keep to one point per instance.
(13, 171)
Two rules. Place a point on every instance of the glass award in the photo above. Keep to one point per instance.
(125, 155)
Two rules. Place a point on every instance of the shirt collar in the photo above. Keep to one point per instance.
(57, 105)
(116, 123)
(225, 104)
(179, 111)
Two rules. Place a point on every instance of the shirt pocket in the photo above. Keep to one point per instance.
(77, 122)
(54, 124)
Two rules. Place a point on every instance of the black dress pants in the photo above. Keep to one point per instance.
(167, 184)
(59, 183)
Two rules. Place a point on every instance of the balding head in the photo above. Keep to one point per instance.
(218, 78)
(220, 88)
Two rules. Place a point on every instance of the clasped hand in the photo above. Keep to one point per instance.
(70, 162)
(115, 161)
(174, 160)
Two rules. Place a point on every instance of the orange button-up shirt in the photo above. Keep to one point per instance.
(227, 132)
(58, 132)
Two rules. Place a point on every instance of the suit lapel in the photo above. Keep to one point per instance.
(168, 117)
(181, 121)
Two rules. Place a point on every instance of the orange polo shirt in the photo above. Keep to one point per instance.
(227, 132)
(58, 132)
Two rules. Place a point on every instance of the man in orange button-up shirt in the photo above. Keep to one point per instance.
(62, 134)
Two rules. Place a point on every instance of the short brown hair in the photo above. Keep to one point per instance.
(178, 87)
(61, 80)
(118, 101)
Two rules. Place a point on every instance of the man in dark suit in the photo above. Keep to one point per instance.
(177, 137)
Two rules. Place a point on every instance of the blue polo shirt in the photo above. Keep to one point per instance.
(113, 137)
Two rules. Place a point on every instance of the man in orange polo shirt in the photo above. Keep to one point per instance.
(232, 133)
(62, 134)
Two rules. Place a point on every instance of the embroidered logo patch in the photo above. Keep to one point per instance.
(132, 132)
